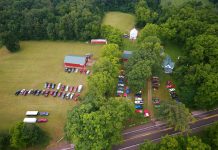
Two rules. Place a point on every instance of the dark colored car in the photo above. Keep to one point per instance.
(63, 95)
(46, 93)
(138, 106)
(17, 92)
(43, 92)
(26, 92)
(51, 93)
(43, 113)
(62, 87)
(65, 69)
(53, 86)
(55, 94)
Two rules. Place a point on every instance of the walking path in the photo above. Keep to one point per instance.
(149, 99)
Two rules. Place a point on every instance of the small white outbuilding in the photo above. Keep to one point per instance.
(133, 34)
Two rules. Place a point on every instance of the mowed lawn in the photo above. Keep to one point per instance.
(123, 21)
(30, 68)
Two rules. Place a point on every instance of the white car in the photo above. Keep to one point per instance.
(88, 72)
(120, 84)
(120, 76)
(139, 102)
(66, 89)
(80, 87)
(138, 99)
(171, 90)
(76, 70)
(59, 86)
(67, 95)
(71, 96)
(120, 92)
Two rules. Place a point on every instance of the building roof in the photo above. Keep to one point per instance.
(168, 63)
(73, 59)
(127, 54)
(133, 33)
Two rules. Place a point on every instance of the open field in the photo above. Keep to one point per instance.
(166, 3)
(123, 21)
(35, 64)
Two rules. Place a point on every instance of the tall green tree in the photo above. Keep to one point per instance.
(24, 135)
(98, 129)
(175, 114)
(10, 41)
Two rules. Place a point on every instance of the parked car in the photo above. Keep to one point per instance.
(22, 91)
(66, 89)
(146, 113)
(30, 91)
(75, 89)
(43, 92)
(49, 86)
(55, 94)
(70, 88)
(76, 70)
(170, 86)
(139, 102)
(137, 106)
(88, 72)
(171, 90)
(51, 93)
(76, 96)
(59, 94)
(42, 120)
(69, 70)
(80, 87)
(138, 94)
(73, 70)
(65, 69)
(120, 92)
(26, 92)
(71, 96)
(63, 95)
(67, 95)
(46, 93)
(43, 113)
(121, 77)
(17, 92)
(38, 92)
(119, 84)
(59, 86)
(139, 111)
(46, 84)
(53, 85)
(62, 87)
(138, 99)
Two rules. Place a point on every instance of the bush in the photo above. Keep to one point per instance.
(4, 141)
(24, 135)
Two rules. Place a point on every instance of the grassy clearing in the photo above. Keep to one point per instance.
(36, 63)
(177, 3)
(123, 21)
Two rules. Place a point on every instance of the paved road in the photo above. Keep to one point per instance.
(133, 137)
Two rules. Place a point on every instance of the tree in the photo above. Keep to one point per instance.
(138, 75)
(10, 41)
(148, 145)
(4, 141)
(113, 35)
(24, 135)
(210, 135)
(98, 129)
(175, 114)
(111, 51)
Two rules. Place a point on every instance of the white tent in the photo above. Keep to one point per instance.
(133, 34)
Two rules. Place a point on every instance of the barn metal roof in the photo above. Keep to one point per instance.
(73, 59)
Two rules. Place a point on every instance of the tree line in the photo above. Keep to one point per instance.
(54, 19)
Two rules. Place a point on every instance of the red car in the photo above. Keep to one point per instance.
(62, 87)
(169, 86)
(75, 89)
(42, 120)
(76, 96)
(70, 88)
(140, 111)
(51, 93)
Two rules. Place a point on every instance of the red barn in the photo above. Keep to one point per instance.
(72, 61)
(98, 41)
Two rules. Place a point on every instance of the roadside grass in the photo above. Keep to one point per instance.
(36, 63)
(177, 3)
(123, 21)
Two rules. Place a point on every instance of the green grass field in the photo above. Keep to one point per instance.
(123, 21)
(30, 68)
(177, 3)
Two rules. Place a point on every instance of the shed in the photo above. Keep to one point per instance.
(168, 65)
(133, 34)
(32, 113)
(73, 61)
(98, 41)
(29, 120)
